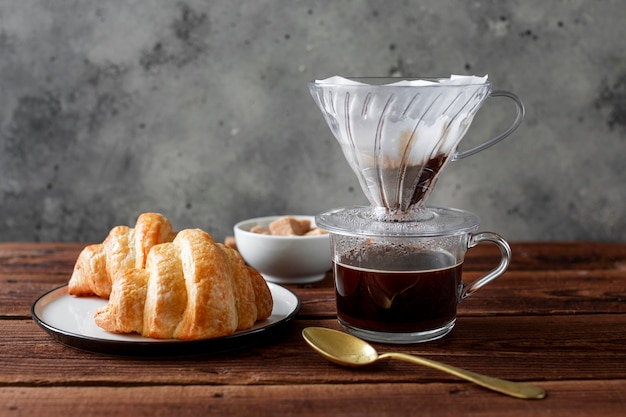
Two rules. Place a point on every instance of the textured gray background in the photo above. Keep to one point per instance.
(199, 109)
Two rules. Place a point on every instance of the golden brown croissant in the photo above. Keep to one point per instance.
(191, 288)
(123, 248)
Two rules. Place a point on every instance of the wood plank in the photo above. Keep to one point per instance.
(572, 398)
(529, 256)
(28, 258)
(28, 270)
(548, 292)
(17, 294)
(59, 258)
(515, 293)
(517, 348)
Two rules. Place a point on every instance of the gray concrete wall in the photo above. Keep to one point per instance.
(199, 109)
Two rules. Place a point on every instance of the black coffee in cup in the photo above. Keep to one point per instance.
(416, 293)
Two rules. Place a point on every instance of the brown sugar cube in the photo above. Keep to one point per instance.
(289, 226)
(230, 242)
(262, 230)
(316, 231)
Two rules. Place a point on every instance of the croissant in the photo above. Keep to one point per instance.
(191, 288)
(123, 248)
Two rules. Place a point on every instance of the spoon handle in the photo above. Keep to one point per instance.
(514, 389)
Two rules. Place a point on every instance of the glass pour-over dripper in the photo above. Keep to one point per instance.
(398, 135)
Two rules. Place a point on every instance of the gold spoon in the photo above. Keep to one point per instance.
(344, 349)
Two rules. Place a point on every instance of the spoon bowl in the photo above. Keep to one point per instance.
(347, 350)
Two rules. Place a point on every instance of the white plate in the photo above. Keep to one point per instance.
(70, 320)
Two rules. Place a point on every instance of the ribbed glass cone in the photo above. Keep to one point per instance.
(398, 137)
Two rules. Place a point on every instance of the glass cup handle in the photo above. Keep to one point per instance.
(505, 260)
(519, 116)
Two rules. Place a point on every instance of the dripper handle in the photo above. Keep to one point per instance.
(519, 116)
(505, 260)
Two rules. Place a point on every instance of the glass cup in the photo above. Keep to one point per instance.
(405, 287)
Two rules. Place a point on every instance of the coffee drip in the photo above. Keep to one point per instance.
(403, 189)
(398, 136)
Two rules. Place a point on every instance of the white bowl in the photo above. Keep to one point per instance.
(284, 259)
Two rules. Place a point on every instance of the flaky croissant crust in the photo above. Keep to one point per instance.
(123, 248)
(191, 288)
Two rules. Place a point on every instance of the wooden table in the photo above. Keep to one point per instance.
(556, 319)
